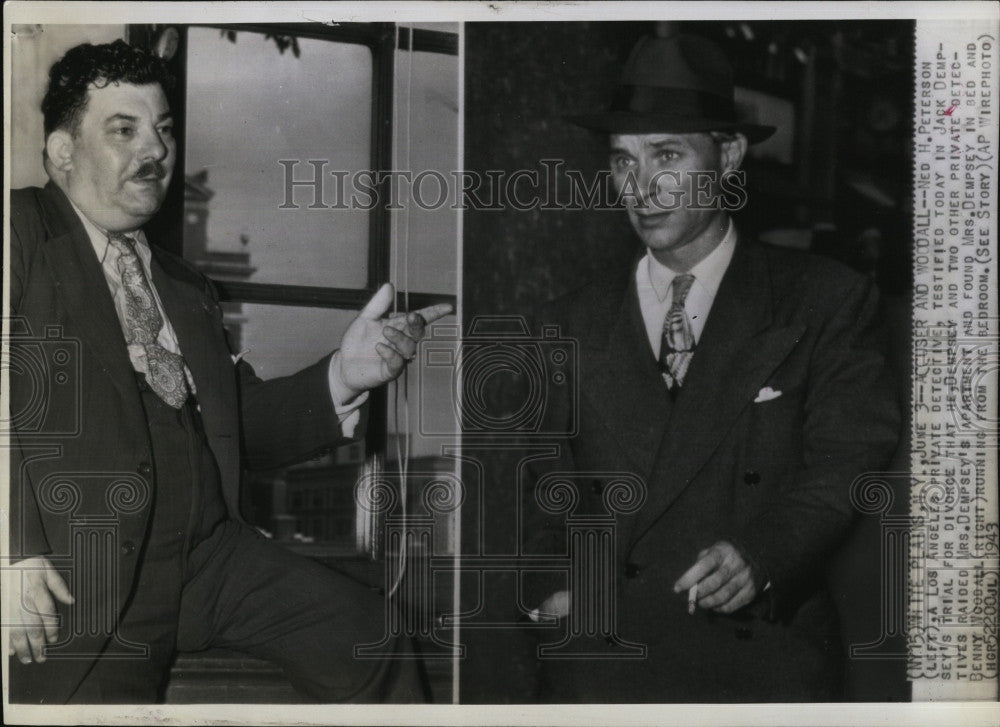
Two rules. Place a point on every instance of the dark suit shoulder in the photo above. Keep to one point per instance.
(585, 300)
(27, 216)
(25, 198)
(33, 221)
(817, 268)
(574, 313)
(177, 266)
(817, 282)
(183, 270)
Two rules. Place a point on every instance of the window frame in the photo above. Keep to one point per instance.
(383, 40)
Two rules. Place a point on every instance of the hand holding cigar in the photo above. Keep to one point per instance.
(720, 580)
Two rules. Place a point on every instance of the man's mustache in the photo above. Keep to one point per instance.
(151, 170)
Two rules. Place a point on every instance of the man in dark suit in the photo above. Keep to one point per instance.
(742, 384)
(147, 423)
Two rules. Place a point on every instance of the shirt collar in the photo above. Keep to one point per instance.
(707, 273)
(99, 237)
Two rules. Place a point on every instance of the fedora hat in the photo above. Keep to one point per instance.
(681, 84)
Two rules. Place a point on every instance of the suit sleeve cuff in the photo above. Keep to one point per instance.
(761, 578)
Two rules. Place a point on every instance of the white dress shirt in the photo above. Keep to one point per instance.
(654, 280)
(108, 255)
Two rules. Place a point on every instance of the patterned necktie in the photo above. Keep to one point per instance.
(142, 324)
(677, 344)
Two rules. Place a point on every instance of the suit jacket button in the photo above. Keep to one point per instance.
(631, 570)
(145, 468)
(596, 487)
(744, 633)
(751, 477)
(128, 547)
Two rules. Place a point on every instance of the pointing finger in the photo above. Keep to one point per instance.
(433, 312)
(415, 326)
(415, 321)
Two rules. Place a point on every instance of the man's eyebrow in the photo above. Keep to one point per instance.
(618, 150)
(134, 119)
(121, 117)
(664, 143)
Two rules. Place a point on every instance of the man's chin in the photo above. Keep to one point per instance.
(138, 213)
(146, 201)
(655, 240)
(144, 212)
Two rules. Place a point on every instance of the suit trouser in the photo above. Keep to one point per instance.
(208, 581)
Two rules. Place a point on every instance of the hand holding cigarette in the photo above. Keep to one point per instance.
(720, 580)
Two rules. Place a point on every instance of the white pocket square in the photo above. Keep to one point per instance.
(766, 394)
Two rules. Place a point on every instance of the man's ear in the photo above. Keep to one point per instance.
(733, 151)
(59, 149)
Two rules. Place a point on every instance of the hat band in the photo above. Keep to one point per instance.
(673, 101)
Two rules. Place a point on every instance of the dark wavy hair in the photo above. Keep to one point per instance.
(71, 76)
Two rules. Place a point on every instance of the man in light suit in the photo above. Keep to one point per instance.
(151, 424)
(743, 384)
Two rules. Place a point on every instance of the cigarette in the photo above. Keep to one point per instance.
(692, 599)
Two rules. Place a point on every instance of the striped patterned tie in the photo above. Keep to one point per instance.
(142, 324)
(677, 344)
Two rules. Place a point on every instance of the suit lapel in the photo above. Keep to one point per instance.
(83, 291)
(621, 377)
(190, 315)
(738, 350)
(81, 285)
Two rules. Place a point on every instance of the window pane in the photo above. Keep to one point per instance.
(314, 501)
(311, 502)
(429, 227)
(281, 339)
(249, 106)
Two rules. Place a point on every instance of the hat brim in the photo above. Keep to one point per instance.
(627, 122)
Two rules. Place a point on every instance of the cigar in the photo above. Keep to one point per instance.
(692, 598)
